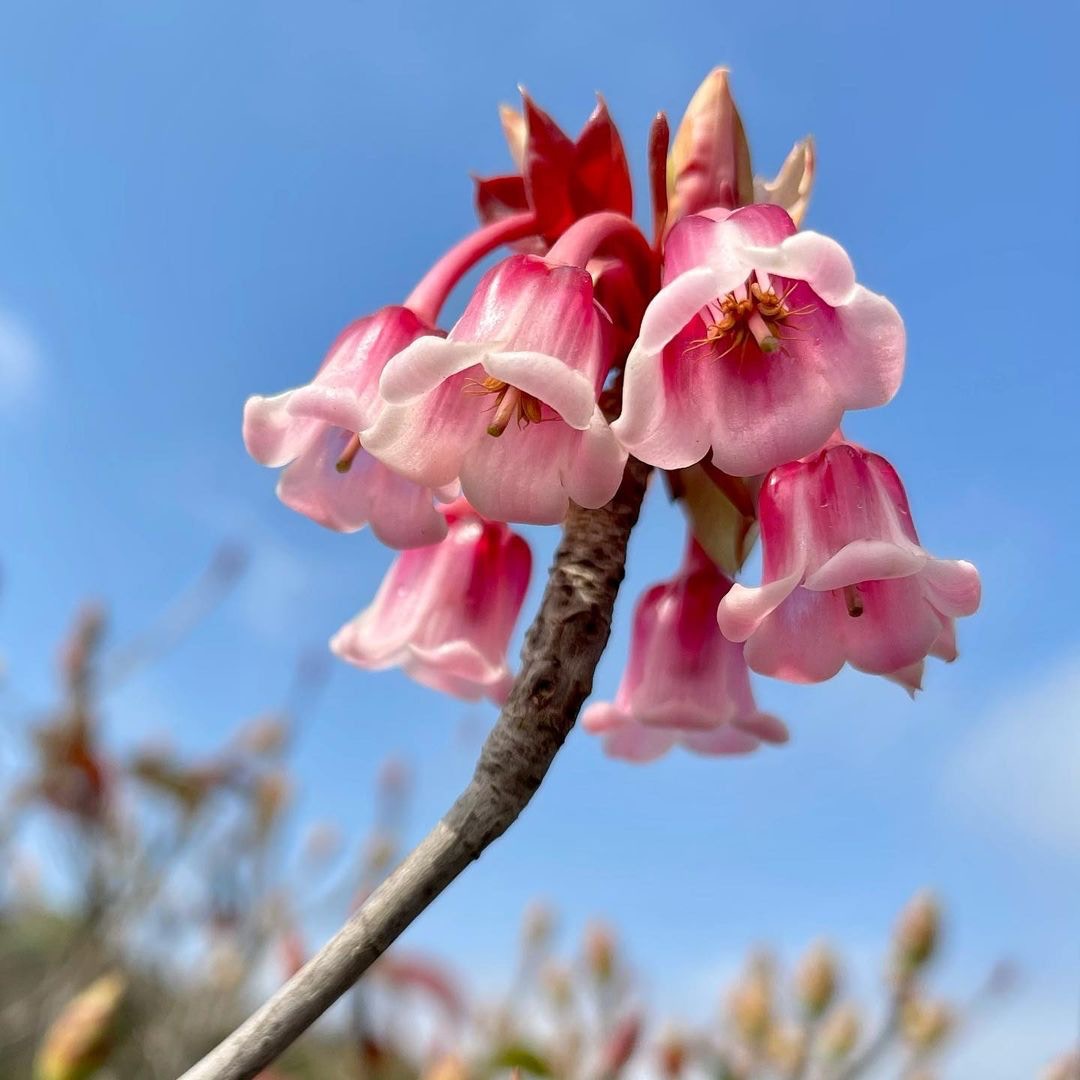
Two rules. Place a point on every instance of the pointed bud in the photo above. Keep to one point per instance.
(926, 1024)
(78, 1041)
(791, 186)
(750, 1003)
(787, 1049)
(600, 950)
(916, 937)
(537, 926)
(673, 1053)
(709, 164)
(840, 1035)
(516, 132)
(816, 979)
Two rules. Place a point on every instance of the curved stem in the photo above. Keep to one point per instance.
(580, 242)
(427, 299)
(561, 651)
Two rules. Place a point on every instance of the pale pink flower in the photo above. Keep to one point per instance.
(755, 345)
(312, 431)
(685, 683)
(507, 402)
(844, 577)
(445, 613)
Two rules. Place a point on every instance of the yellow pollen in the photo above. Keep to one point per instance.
(510, 402)
(760, 314)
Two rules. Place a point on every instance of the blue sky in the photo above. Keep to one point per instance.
(195, 197)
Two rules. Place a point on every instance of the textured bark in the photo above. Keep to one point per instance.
(561, 651)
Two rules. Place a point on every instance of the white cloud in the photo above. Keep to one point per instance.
(20, 362)
(1017, 770)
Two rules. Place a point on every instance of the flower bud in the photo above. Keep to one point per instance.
(538, 926)
(621, 1045)
(709, 164)
(600, 951)
(916, 936)
(791, 186)
(559, 986)
(816, 978)
(750, 1003)
(787, 1049)
(673, 1053)
(926, 1024)
(840, 1035)
(447, 1067)
(78, 1041)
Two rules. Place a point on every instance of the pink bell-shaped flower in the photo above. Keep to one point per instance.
(754, 347)
(312, 432)
(685, 683)
(844, 577)
(445, 613)
(507, 402)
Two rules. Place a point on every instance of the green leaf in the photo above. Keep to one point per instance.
(518, 1056)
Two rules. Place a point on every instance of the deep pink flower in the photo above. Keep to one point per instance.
(685, 682)
(844, 577)
(312, 431)
(507, 402)
(445, 612)
(754, 347)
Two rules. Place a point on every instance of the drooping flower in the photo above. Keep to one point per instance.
(844, 577)
(312, 430)
(507, 402)
(685, 683)
(445, 613)
(754, 347)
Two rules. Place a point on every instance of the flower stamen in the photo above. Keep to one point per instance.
(509, 402)
(853, 601)
(352, 448)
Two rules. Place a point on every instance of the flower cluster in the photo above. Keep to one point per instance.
(724, 350)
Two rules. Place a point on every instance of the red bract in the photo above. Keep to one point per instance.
(561, 180)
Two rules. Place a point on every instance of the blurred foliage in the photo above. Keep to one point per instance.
(176, 906)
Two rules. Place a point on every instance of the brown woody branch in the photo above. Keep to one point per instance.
(561, 651)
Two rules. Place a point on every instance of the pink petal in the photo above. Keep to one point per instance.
(637, 744)
(595, 465)
(866, 560)
(427, 440)
(953, 586)
(667, 402)
(720, 741)
(910, 677)
(868, 370)
(675, 305)
(802, 641)
(272, 435)
(568, 392)
(401, 513)
(896, 628)
(945, 646)
(769, 409)
(744, 609)
(420, 367)
(808, 256)
(766, 727)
